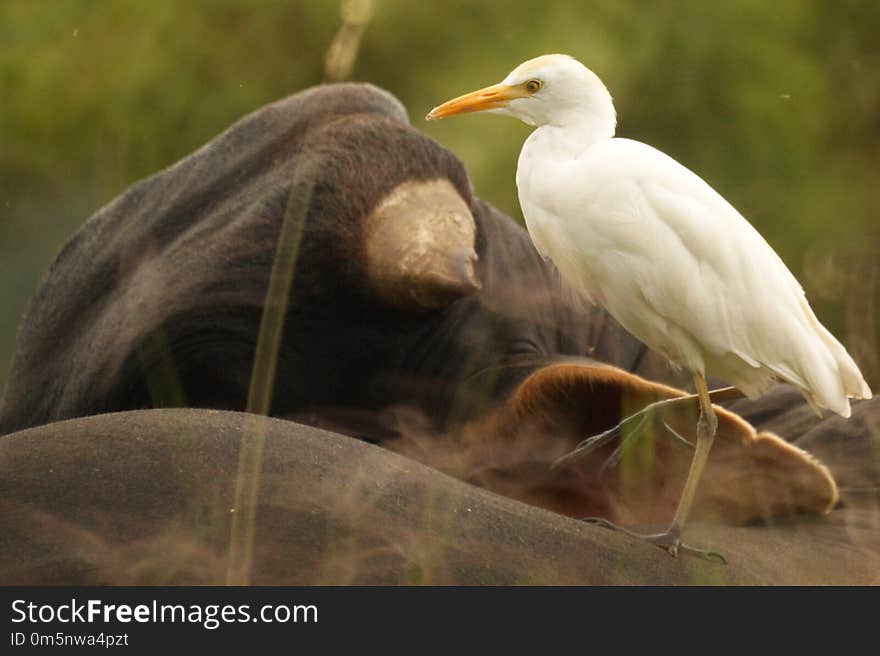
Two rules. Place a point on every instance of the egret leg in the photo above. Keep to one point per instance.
(706, 427)
(670, 540)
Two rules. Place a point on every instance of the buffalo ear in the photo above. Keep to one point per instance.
(419, 243)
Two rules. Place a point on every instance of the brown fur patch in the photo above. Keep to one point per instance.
(749, 476)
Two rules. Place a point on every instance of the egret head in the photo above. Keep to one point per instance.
(547, 90)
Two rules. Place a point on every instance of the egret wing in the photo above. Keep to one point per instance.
(681, 268)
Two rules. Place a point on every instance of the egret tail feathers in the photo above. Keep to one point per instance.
(826, 374)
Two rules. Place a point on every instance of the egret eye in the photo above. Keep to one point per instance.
(532, 86)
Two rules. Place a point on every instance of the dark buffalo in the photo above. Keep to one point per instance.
(144, 498)
(414, 315)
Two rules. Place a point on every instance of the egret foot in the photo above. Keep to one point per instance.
(669, 541)
(635, 425)
(628, 429)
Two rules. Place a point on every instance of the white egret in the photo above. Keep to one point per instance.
(635, 231)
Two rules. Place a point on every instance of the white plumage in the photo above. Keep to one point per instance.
(667, 256)
(637, 232)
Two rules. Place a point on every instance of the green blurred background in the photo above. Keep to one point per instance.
(776, 104)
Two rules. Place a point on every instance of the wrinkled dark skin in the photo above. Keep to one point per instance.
(157, 300)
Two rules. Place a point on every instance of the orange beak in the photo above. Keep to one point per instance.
(498, 95)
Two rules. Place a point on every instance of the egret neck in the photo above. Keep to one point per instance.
(552, 145)
(550, 152)
(564, 131)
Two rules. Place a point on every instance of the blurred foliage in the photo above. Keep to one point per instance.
(776, 104)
